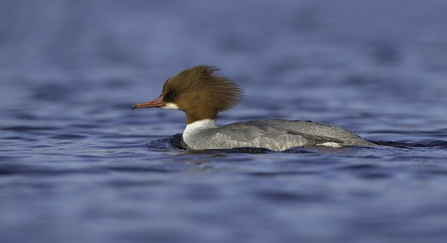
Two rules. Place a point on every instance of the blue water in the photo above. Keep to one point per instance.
(78, 165)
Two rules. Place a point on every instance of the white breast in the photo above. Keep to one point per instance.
(192, 130)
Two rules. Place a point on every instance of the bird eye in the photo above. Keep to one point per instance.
(173, 94)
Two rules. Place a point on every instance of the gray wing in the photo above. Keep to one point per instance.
(268, 135)
(324, 131)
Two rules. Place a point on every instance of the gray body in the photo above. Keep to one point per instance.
(276, 135)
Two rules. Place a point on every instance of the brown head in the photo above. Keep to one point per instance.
(197, 92)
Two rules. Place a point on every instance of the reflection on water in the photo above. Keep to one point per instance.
(77, 165)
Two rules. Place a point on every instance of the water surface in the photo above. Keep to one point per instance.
(74, 161)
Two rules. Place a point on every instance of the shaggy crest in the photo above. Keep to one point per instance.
(206, 91)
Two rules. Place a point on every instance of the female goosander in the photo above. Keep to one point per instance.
(201, 95)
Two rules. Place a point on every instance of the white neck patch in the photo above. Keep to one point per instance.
(193, 128)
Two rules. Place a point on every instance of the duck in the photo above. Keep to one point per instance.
(201, 95)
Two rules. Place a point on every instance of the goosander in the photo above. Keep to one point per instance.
(201, 94)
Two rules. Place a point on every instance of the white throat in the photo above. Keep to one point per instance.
(192, 129)
(170, 106)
